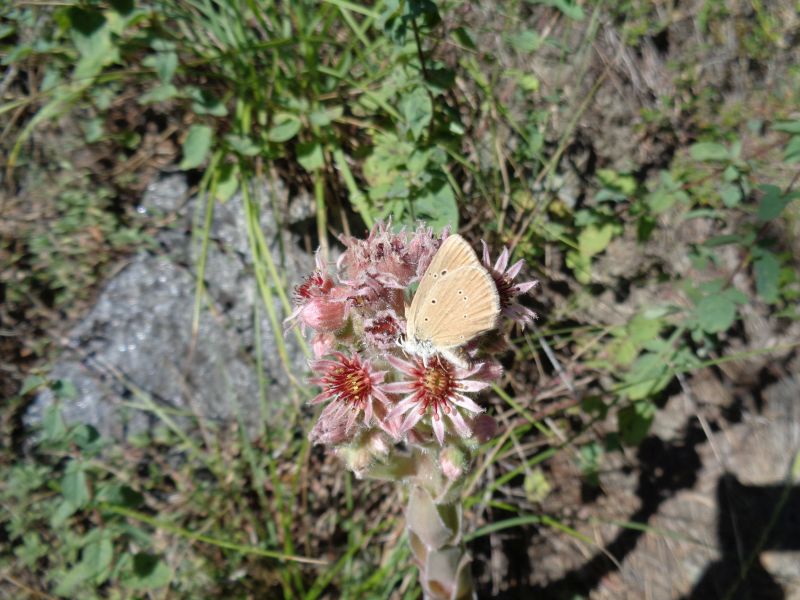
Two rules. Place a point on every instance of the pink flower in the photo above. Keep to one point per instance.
(506, 288)
(320, 304)
(439, 389)
(383, 329)
(327, 314)
(386, 260)
(351, 386)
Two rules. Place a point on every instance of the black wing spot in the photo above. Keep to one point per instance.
(435, 275)
(444, 271)
(465, 316)
(433, 300)
(460, 291)
(426, 319)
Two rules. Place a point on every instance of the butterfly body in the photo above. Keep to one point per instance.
(456, 301)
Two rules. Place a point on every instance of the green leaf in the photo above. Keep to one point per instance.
(526, 81)
(324, 117)
(86, 437)
(767, 268)
(243, 146)
(791, 153)
(730, 174)
(92, 37)
(787, 126)
(63, 511)
(716, 312)
(623, 183)
(206, 103)
(121, 495)
(648, 375)
(93, 130)
(773, 202)
(227, 181)
(196, 146)
(163, 63)
(74, 486)
(97, 556)
(524, 41)
(642, 329)
(71, 579)
(95, 561)
(436, 205)
(724, 240)
(53, 424)
(594, 239)
(464, 37)
(417, 109)
(32, 382)
(160, 93)
(147, 572)
(731, 194)
(285, 128)
(568, 7)
(634, 422)
(64, 389)
(709, 151)
(309, 155)
(581, 266)
(32, 549)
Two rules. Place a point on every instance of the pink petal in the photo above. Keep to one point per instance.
(465, 403)
(460, 424)
(490, 371)
(487, 260)
(520, 314)
(467, 373)
(321, 266)
(378, 393)
(521, 288)
(438, 429)
(351, 418)
(368, 412)
(403, 406)
(472, 385)
(404, 367)
(400, 387)
(323, 364)
(390, 426)
(502, 261)
(514, 270)
(331, 413)
(319, 398)
(410, 421)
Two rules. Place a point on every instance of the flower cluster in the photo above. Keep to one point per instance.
(373, 390)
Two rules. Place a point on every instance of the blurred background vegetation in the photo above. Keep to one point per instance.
(642, 157)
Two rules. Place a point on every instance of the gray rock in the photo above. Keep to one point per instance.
(134, 354)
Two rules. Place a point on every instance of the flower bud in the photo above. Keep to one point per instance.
(322, 344)
(453, 462)
(323, 314)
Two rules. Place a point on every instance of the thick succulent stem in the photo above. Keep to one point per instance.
(434, 522)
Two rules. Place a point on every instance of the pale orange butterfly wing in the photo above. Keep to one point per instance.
(459, 306)
(454, 253)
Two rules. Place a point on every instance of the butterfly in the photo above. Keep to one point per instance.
(456, 301)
